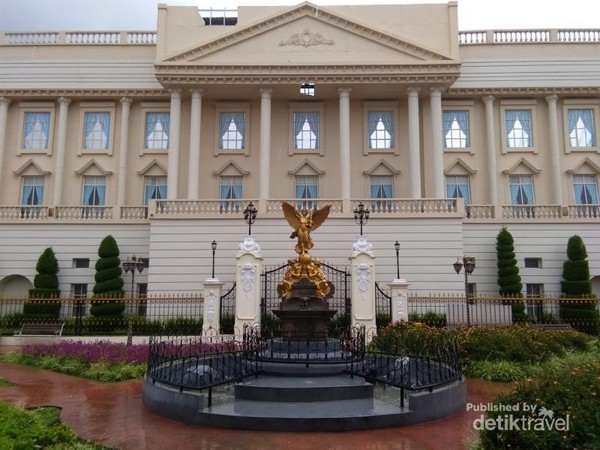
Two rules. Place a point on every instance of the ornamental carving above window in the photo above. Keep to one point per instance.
(306, 38)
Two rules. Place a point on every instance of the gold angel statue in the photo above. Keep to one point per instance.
(303, 222)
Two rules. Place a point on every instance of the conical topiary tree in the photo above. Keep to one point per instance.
(109, 284)
(576, 283)
(509, 279)
(45, 285)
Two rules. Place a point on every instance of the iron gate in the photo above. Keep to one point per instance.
(340, 278)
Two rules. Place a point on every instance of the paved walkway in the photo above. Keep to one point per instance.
(113, 415)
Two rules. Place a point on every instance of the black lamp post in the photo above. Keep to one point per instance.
(213, 245)
(361, 216)
(397, 247)
(131, 265)
(469, 264)
(250, 216)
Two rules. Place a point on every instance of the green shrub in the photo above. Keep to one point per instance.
(50, 310)
(430, 318)
(107, 308)
(182, 325)
(414, 339)
(509, 280)
(382, 320)
(109, 282)
(45, 283)
(104, 324)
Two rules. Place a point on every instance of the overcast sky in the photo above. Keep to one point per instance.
(87, 15)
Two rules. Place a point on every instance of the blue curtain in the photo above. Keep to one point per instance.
(461, 117)
(91, 119)
(386, 118)
(587, 117)
(27, 191)
(152, 118)
(239, 120)
(94, 195)
(31, 119)
(313, 122)
(586, 193)
(524, 117)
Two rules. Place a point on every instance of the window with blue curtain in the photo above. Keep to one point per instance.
(382, 187)
(232, 130)
(32, 192)
(94, 191)
(381, 129)
(307, 189)
(96, 130)
(230, 190)
(456, 129)
(518, 128)
(521, 190)
(155, 188)
(36, 130)
(457, 186)
(306, 130)
(582, 131)
(586, 189)
(156, 135)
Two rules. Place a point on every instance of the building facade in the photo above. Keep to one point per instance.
(162, 138)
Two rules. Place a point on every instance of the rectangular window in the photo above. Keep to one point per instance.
(535, 308)
(518, 128)
(81, 263)
(585, 190)
(535, 263)
(230, 192)
(96, 130)
(457, 186)
(94, 191)
(79, 290)
(380, 129)
(155, 188)
(36, 130)
(306, 130)
(534, 290)
(582, 128)
(232, 131)
(382, 187)
(307, 188)
(157, 127)
(456, 129)
(521, 190)
(32, 191)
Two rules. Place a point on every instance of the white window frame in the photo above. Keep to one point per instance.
(469, 107)
(97, 107)
(83, 185)
(390, 107)
(147, 178)
(231, 205)
(237, 107)
(595, 178)
(510, 105)
(306, 202)
(311, 107)
(454, 176)
(30, 107)
(593, 105)
(152, 108)
(532, 202)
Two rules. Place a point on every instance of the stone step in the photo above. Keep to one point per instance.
(303, 389)
(339, 415)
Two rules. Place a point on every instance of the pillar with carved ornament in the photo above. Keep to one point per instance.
(399, 299)
(364, 311)
(211, 318)
(247, 298)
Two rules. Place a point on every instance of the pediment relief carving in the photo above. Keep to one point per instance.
(306, 38)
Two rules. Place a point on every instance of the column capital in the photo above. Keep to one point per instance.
(413, 91)
(5, 101)
(197, 92)
(552, 99)
(344, 92)
(265, 92)
(488, 99)
(436, 91)
(175, 93)
(125, 101)
(64, 101)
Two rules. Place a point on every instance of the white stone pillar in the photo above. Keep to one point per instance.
(211, 316)
(554, 149)
(61, 140)
(123, 151)
(247, 287)
(414, 144)
(173, 158)
(490, 145)
(194, 154)
(4, 102)
(364, 311)
(399, 294)
(437, 143)
(265, 147)
(345, 143)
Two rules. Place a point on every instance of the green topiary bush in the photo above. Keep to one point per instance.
(109, 283)
(509, 279)
(45, 283)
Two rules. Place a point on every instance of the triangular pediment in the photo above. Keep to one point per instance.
(306, 168)
(382, 168)
(92, 167)
(31, 168)
(307, 34)
(522, 165)
(230, 168)
(153, 167)
(587, 166)
(459, 166)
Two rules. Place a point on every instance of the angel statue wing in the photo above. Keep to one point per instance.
(319, 215)
(292, 215)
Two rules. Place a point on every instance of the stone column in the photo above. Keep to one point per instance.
(195, 131)
(414, 144)
(123, 151)
(399, 294)
(437, 143)
(211, 318)
(265, 148)
(345, 144)
(4, 102)
(490, 144)
(554, 149)
(59, 159)
(362, 263)
(247, 287)
(173, 158)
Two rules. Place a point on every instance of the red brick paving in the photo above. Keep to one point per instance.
(113, 415)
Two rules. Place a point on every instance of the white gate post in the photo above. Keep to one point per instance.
(363, 287)
(399, 295)
(247, 287)
(211, 317)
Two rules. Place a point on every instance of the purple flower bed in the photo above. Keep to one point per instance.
(91, 352)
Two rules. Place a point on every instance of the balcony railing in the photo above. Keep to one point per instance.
(542, 36)
(532, 212)
(80, 38)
